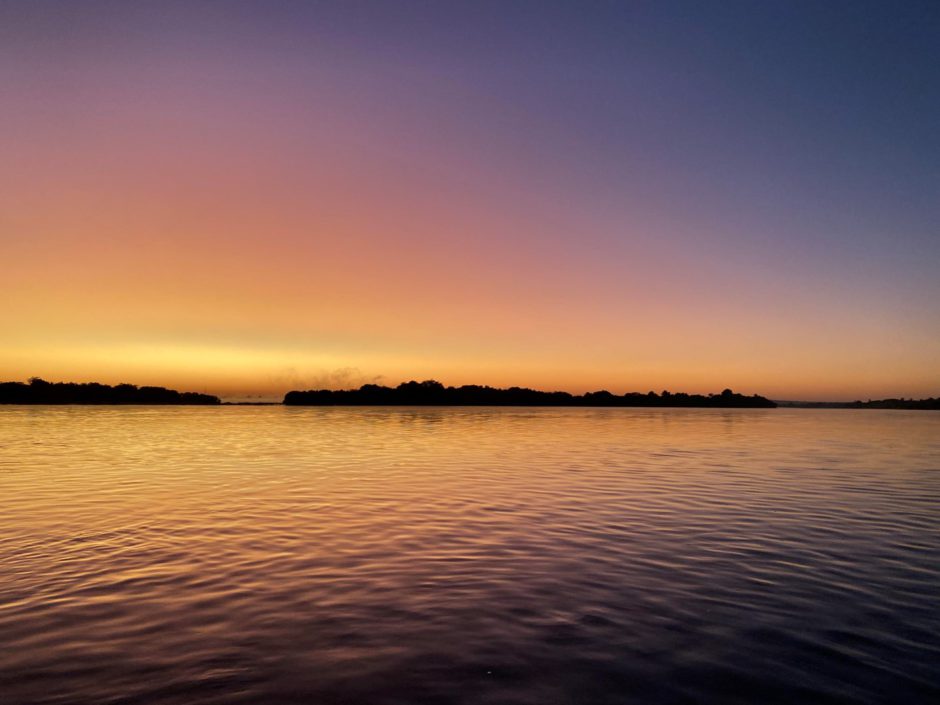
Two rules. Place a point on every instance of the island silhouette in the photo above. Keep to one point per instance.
(427, 393)
(39, 391)
(433, 393)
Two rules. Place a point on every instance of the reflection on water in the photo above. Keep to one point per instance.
(331, 555)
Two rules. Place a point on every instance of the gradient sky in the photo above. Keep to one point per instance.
(245, 198)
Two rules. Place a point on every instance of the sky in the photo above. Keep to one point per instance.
(249, 197)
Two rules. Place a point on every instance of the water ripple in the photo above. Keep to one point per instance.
(303, 555)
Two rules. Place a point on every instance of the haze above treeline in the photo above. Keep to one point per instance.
(426, 393)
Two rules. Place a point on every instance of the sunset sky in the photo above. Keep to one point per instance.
(245, 198)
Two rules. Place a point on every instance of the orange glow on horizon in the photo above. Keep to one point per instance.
(281, 222)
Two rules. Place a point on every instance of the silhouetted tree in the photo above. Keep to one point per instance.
(38, 391)
(432, 392)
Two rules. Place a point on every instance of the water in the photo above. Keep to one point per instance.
(337, 555)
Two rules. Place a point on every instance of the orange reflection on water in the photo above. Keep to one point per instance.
(272, 554)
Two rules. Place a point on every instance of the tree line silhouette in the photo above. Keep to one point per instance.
(38, 391)
(427, 393)
(920, 404)
(927, 404)
(433, 393)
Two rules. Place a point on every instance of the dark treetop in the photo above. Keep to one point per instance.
(39, 391)
(431, 393)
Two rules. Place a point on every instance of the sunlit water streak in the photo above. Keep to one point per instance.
(339, 555)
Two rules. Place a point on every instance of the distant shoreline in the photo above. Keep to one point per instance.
(427, 393)
(929, 404)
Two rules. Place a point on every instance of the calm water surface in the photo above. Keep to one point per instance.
(334, 555)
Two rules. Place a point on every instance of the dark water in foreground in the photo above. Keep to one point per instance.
(304, 555)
